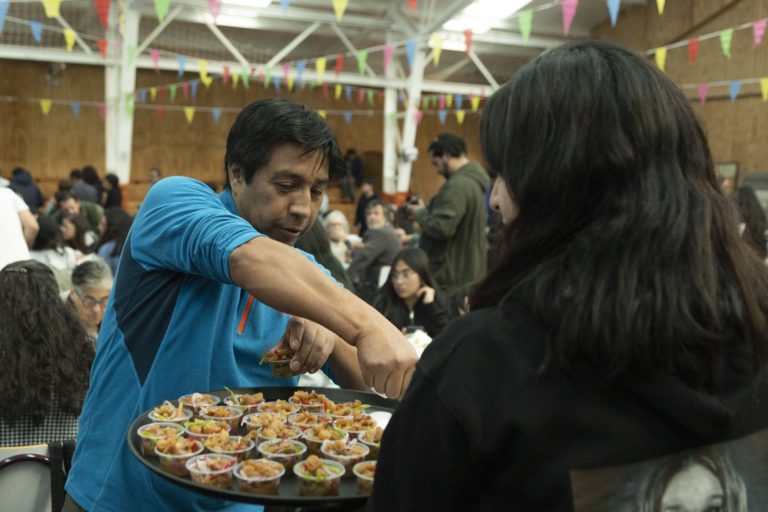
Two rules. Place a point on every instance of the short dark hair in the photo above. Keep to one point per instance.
(264, 125)
(91, 176)
(448, 143)
(113, 180)
(18, 170)
(64, 195)
(76, 174)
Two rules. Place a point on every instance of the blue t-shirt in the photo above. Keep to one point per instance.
(175, 324)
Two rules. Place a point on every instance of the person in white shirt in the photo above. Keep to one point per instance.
(18, 228)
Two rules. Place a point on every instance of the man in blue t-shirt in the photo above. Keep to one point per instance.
(204, 288)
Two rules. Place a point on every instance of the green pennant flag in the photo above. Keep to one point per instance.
(173, 92)
(131, 53)
(244, 79)
(267, 77)
(161, 8)
(525, 18)
(369, 93)
(425, 103)
(129, 103)
(726, 36)
(362, 56)
(393, 117)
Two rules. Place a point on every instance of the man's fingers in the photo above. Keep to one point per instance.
(305, 349)
(407, 376)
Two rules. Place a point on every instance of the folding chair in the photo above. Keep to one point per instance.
(32, 477)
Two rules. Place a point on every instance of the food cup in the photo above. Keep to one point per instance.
(289, 452)
(214, 470)
(151, 432)
(365, 471)
(245, 446)
(281, 368)
(257, 420)
(194, 429)
(176, 463)
(265, 481)
(196, 401)
(279, 407)
(177, 417)
(357, 452)
(287, 432)
(313, 485)
(223, 413)
(304, 420)
(313, 442)
(367, 438)
(245, 403)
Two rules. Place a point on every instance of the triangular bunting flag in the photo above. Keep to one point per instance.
(225, 74)
(37, 31)
(348, 92)
(102, 9)
(216, 113)
(129, 103)
(102, 47)
(182, 61)
(102, 110)
(424, 103)
(142, 95)
(468, 40)
(661, 57)
(267, 77)
(45, 106)
(300, 67)
(325, 92)
(69, 38)
(339, 64)
(245, 79)
(339, 6)
(322, 113)
(460, 116)
(291, 83)
(442, 116)
(286, 71)
(459, 101)
(152, 93)
(131, 53)
(525, 19)
(412, 4)
(436, 42)
(348, 117)
(337, 91)
(172, 92)
(203, 65)
(52, 8)
(613, 10)
(75, 106)
(160, 112)
(726, 37)
(418, 115)
(693, 50)
(369, 93)
(735, 87)
(155, 56)
(4, 5)
(277, 81)
(215, 7)
(387, 56)
(703, 90)
(441, 101)
(185, 90)
(569, 11)
(362, 56)
(410, 51)
(764, 88)
(660, 6)
(360, 95)
(758, 29)
(320, 68)
(189, 113)
(193, 88)
(161, 8)
(235, 80)
(284, 4)
(449, 100)
(475, 103)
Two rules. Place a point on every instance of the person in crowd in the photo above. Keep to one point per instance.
(91, 286)
(77, 234)
(753, 220)
(112, 196)
(49, 248)
(625, 319)
(18, 227)
(316, 242)
(68, 205)
(91, 177)
(154, 175)
(348, 179)
(80, 189)
(46, 358)
(411, 297)
(337, 227)
(378, 248)
(205, 287)
(22, 184)
(356, 165)
(113, 230)
(367, 195)
(453, 225)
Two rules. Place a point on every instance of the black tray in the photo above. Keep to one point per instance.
(348, 496)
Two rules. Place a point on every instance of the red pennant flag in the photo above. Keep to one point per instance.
(339, 64)
(468, 39)
(160, 93)
(160, 112)
(185, 89)
(412, 4)
(693, 50)
(103, 47)
(325, 91)
(226, 75)
(102, 8)
(380, 96)
(360, 95)
(102, 110)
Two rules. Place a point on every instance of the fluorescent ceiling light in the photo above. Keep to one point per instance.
(480, 16)
(246, 3)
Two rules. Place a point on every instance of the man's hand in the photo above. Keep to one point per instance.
(386, 358)
(415, 207)
(312, 343)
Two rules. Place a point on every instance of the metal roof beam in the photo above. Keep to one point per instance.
(228, 45)
(158, 29)
(351, 47)
(293, 44)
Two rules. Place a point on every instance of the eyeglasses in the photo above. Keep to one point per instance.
(90, 302)
(405, 274)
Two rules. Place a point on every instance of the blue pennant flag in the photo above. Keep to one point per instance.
(613, 9)
(348, 116)
(193, 91)
(400, 98)
(182, 62)
(75, 109)
(441, 116)
(410, 50)
(348, 92)
(459, 99)
(142, 96)
(735, 88)
(284, 4)
(277, 81)
(4, 4)
(300, 67)
(37, 31)
(216, 113)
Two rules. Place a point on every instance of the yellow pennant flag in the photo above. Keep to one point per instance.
(69, 37)
(437, 48)
(337, 91)
(320, 66)
(235, 79)
(207, 81)
(339, 6)
(189, 113)
(52, 8)
(475, 103)
(660, 6)
(153, 93)
(321, 113)
(449, 100)
(460, 116)
(291, 82)
(661, 57)
(203, 69)
(764, 88)
(45, 106)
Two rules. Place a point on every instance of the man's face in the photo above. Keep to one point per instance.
(284, 196)
(375, 217)
(441, 163)
(69, 207)
(153, 176)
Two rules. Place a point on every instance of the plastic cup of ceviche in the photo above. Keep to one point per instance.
(169, 413)
(259, 476)
(315, 436)
(152, 432)
(196, 401)
(365, 472)
(285, 451)
(318, 477)
(174, 452)
(347, 453)
(225, 413)
(212, 469)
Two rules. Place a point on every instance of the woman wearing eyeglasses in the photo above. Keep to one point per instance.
(410, 297)
(91, 285)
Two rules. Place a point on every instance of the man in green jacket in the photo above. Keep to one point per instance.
(453, 225)
(67, 204)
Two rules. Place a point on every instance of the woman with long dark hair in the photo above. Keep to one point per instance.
(46, 358)
(411, 296)
(77, 234)
(625, 318)
(116, 225)
(112, 195)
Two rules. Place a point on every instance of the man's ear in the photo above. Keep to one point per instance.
(236, 175)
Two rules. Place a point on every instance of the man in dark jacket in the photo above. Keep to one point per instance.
(453, 225)
(380, 245)
(22, 184)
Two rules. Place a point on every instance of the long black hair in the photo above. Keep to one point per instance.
(388, 302)
(118, 224)
(624, 245)
(49, 236)
(82, 227)
(44, 346)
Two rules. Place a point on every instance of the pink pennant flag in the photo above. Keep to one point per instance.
(468, 40)
(185, 89)
(569, 11)
(703, 91)
(387, 56)
(360, 95)
(418, 115)
(412, 4)
(155, 56)
(286, 69)
(102, 110)
(441, 102)
(758, 29)
(215, 7)
(226, 75)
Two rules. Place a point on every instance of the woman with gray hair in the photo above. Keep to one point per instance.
(91, 286)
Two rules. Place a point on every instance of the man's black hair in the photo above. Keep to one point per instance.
(448, 143)
(264, 125)
(76, 174)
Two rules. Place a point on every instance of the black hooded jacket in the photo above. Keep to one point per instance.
(22, 184)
